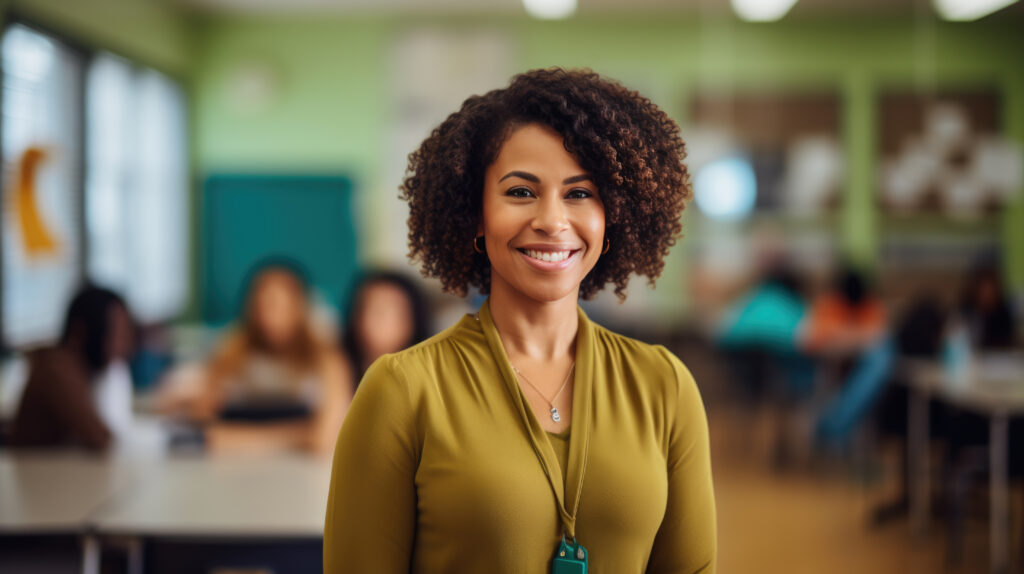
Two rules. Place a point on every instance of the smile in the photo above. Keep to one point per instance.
(550, 256)
(549, 260)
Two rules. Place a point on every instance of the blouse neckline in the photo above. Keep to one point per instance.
(567, 491)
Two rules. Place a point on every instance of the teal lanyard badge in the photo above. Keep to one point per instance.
(571, 558)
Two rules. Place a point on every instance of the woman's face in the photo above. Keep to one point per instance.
(543, 220)
(384, 322)
(278, 308)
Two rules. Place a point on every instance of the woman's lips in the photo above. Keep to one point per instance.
(550, 260)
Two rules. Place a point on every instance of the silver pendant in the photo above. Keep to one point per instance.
(554, 415)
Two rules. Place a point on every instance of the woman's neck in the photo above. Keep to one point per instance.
(539, 330)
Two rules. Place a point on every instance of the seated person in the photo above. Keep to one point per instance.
(761, 331)
(78, 391)
(386, 313)
(849, 324)
(846, 320)
(274, 381)
(986, 310)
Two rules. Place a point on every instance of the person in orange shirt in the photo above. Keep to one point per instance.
(846, 320)
(849, 325)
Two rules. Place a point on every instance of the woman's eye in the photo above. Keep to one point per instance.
(519, 192)
(579, 194)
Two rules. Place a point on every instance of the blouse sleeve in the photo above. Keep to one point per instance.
(371, 506)
(687, 539)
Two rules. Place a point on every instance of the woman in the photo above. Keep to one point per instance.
(78, 392)
(275, 382)
(526, 438)
(386, 313)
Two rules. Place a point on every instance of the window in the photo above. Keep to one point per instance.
(137, 187)
(94, 153)
(42, 174)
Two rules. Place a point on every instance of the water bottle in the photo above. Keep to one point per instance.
(957, 355)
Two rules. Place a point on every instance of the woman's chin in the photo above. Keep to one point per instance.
(550, 293)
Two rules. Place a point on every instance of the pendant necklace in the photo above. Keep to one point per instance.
(551, 403)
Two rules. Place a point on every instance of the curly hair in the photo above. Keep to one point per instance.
(629, 146)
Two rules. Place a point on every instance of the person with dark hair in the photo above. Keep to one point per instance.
(986, 310)
(386, 313)
(526, 438)
(274, 381)
(848, 324)
(61, 404)
(845, 320)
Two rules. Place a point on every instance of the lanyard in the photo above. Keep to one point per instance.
(567, 496)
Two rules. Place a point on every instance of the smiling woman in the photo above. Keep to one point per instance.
(526, 438)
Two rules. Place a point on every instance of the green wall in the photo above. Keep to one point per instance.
(153, 32)
(332, 107)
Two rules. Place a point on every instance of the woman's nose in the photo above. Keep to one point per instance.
(551, 217)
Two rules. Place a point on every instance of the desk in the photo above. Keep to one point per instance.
(278, 496)
(271, 497)
(994, 387)
(56, 492)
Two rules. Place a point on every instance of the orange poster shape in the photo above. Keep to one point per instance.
(36, 237)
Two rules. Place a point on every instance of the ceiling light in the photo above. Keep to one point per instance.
(965, 10)
(550, 9)
(761, 10)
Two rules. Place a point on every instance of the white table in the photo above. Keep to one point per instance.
(56, 492)
(281, 496)
(993, 387)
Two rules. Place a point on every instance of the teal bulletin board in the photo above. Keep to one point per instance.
(251, 218)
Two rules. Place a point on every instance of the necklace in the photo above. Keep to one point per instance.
(551, 403)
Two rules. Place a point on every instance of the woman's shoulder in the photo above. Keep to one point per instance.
(653, 361)
(634, 350)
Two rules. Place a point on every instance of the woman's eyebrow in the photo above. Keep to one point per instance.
(521, 175)
(530, 177)
(577, 179)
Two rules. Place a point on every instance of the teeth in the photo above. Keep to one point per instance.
(550, 256)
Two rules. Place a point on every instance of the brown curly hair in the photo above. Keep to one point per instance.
(629, 146)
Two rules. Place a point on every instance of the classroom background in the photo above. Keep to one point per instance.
(202, 248)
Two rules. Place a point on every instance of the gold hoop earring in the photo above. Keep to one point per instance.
(476, 247)
(607, 246)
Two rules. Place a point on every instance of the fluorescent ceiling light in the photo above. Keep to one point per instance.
(761, 10)
(964, 10)
(550, 9)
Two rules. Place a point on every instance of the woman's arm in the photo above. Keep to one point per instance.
(687, 540)
(371, 508)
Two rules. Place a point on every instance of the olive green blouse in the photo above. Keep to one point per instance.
(442, 467)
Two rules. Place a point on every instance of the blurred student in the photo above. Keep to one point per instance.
(986, 312)
(79, 391)
(387, 312)
(849, 323)
(761, 331)
(846, 320)
(274, 381)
